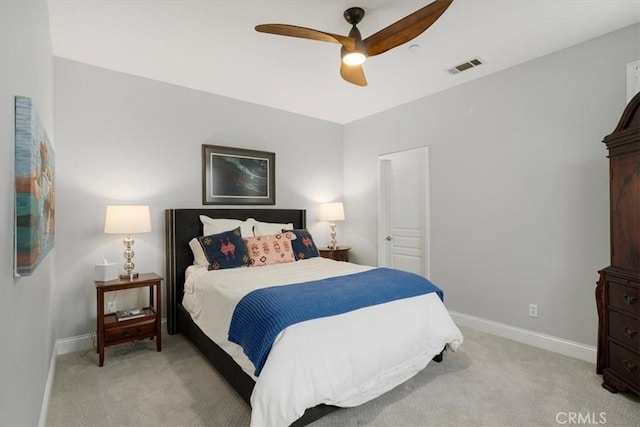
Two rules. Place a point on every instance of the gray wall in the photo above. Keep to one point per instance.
(519, 184)
(123, 139)
(26, 316)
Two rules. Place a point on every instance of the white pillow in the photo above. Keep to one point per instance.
(266, 228)
(199, 258)
(220, 225)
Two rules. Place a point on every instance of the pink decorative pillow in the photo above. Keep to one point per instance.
(270, 249)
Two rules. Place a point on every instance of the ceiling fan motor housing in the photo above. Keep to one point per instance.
(361, 46)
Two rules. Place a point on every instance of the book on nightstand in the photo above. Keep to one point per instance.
(129, 314)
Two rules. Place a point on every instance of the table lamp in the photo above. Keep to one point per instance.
(332, 212)
(127, 220)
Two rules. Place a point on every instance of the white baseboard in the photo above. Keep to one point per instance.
(525, 336)
(71, 344)
(44, 411)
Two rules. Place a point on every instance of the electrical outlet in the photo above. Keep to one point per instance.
(533, 310)
(111, 306)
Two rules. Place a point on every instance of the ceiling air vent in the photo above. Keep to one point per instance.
(465, 66)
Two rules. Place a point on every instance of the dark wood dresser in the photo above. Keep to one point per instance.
(618, 289)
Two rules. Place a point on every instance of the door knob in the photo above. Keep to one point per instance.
(388, 238)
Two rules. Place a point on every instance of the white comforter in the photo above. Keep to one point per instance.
(342, 360)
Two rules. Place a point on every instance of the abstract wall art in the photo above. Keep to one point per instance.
(35, 189)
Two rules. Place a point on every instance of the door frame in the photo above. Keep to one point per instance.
(384, 161)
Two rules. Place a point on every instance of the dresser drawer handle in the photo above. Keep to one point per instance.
(629, 366)
(629, 299)
(629, 332)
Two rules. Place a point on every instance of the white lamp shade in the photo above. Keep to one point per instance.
(127, 220)
(331, 212)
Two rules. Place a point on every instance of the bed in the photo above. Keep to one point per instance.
(184, 224)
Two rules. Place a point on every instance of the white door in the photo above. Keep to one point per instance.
(403, 211)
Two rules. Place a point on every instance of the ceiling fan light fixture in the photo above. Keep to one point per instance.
(354, 58)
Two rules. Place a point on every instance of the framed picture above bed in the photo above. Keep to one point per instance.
(237, 176)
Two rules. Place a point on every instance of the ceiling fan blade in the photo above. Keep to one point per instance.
(306, 33)
(407, 28)
(353, 74)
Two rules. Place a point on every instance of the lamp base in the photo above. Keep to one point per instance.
(333, 244)
(128, 256)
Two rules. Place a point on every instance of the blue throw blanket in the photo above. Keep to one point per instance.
(262, 314)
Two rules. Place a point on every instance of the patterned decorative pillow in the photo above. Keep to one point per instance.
(270, 249)
(303, 246)
(224, 250)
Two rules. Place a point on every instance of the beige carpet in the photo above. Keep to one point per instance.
(490, 381)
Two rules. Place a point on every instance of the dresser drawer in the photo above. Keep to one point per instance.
(624, 364)
(131, 331)
(623, 296)
(624, 329)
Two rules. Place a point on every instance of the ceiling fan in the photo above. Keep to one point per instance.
(354, 49)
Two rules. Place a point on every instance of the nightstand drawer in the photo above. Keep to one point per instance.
(624, 364)
(624, 329)
(131, 331)
(624, 297)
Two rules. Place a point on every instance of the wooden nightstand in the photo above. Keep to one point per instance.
(341, 253)
(111, 331)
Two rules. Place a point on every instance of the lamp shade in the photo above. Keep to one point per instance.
(127, 220)
(331, 212)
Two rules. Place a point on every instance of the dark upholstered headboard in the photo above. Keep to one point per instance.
(182, 225)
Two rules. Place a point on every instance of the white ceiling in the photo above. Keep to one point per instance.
(212, 45)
